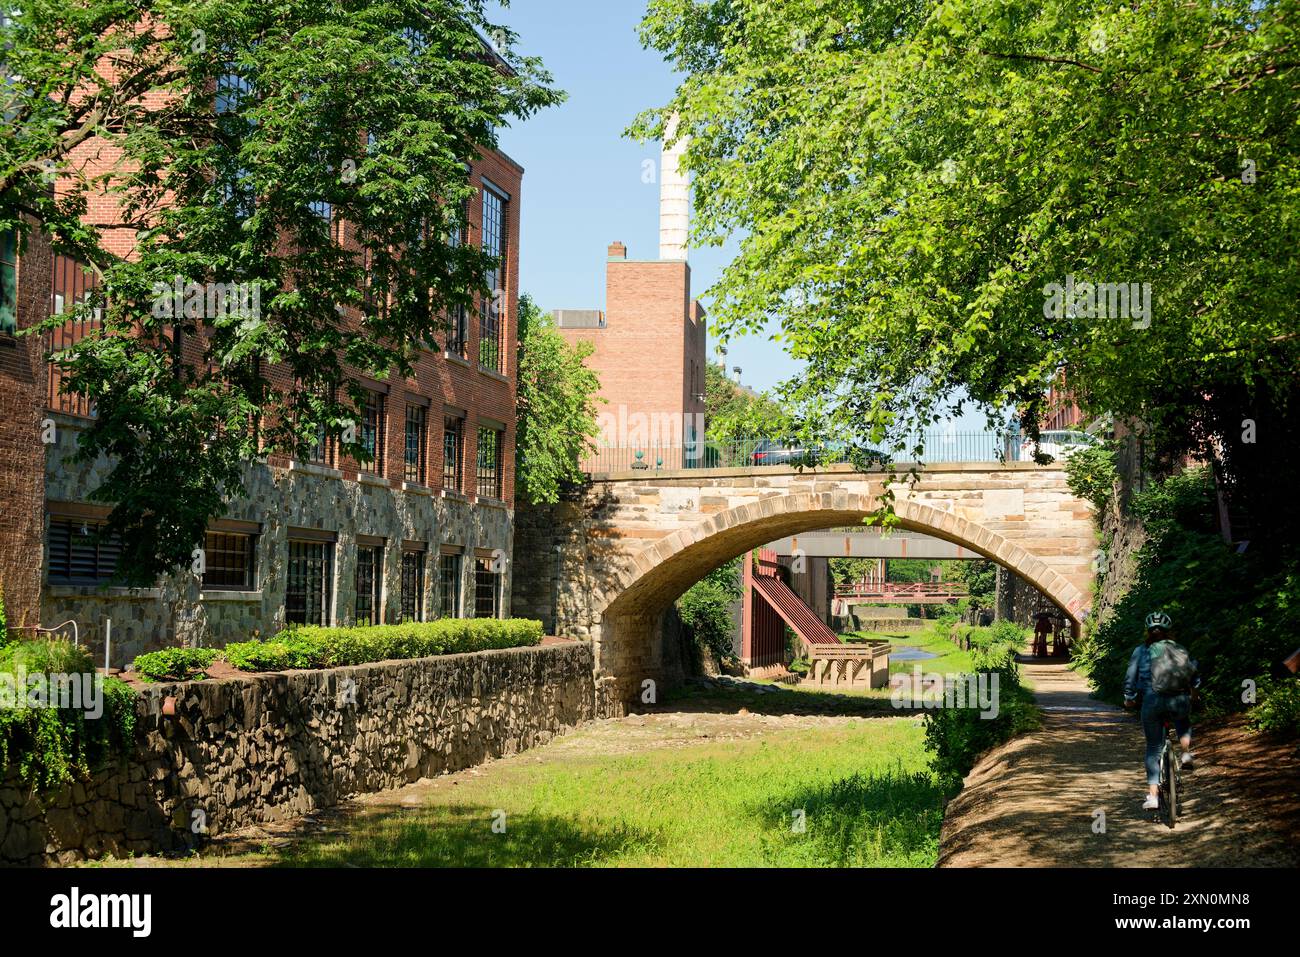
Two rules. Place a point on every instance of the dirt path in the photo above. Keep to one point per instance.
(1034, 801)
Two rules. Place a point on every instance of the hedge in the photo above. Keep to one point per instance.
(317, 647)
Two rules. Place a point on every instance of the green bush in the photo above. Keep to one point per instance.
(4, 623)
(1091, 474)
(1277, 708)
(175, 664)
(705, 609)
(956, 737)
(319, 647)
(53, 745)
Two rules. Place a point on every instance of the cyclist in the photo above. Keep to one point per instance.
(1161, 672)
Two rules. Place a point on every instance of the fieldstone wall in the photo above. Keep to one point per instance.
(269, 747)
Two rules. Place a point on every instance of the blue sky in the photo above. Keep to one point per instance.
(583, 184)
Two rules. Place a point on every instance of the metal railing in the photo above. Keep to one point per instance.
(939, 447)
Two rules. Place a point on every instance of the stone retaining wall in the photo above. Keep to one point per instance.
(269, 747)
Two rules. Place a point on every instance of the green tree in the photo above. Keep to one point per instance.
(909, 180)
(265, 128)
(557, 407)
(732, 412)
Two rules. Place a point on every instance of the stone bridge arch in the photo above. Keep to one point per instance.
(637, 541)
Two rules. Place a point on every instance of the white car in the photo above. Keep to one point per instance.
(1059, 444)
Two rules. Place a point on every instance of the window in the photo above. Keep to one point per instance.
(489, 462)
(458, 331)
(370, 585)
(487, 589)
(318, 453)
(412, 586)
(81, 551)
(228, 561)
(9, 281)
(491, 321)
(233, 91)
(414, 459)
(453, 447)
(449, 585)
(308, 596)
(372, 433)
(458, 326)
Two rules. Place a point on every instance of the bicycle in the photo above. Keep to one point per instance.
(1171, 775)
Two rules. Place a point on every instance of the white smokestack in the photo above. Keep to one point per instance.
(674, 197)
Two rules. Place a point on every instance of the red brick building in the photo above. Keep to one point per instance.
(649, 345)
(425, 530)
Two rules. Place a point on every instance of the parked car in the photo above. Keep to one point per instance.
(1060, 444)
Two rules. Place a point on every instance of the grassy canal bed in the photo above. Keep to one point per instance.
(678, 788)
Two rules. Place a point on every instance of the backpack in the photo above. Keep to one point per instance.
(1172, 668)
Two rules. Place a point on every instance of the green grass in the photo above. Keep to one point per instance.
(867, 799)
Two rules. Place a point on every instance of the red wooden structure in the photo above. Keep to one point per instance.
(770, 605)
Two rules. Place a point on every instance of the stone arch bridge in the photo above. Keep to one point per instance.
(607, 566)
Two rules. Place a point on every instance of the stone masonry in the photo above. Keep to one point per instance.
(639, 539)
(265, 748)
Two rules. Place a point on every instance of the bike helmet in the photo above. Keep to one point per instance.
(1158, 619)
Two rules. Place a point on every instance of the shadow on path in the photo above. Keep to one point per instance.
(1039, 800)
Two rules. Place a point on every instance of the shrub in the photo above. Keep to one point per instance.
(175, 664)
(1091, 474)
(705, 609)
(4, 623)
(53, 745)
(956, 737)
(319, 647)
(1277, 707)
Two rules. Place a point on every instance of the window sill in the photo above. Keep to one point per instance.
(229, 595)
(456, 358)
(493, 374)
(491, 502)
(454, 495)
(308, 468)
(95, 591)
(416, 489)
(369, 478)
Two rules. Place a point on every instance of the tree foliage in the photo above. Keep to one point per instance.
(240, 137)
(556, 410)
(732, 412)
(909, 179)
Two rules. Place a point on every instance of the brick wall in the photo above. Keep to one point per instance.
(650, 356)
(22, 454)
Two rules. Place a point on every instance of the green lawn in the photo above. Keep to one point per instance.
(862, 784)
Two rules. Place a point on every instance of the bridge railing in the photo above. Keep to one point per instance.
(940, 447)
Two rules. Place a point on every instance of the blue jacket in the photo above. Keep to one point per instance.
(1138, 676)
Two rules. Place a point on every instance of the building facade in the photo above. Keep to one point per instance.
(423, 531)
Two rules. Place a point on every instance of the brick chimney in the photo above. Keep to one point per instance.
(617, 251)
